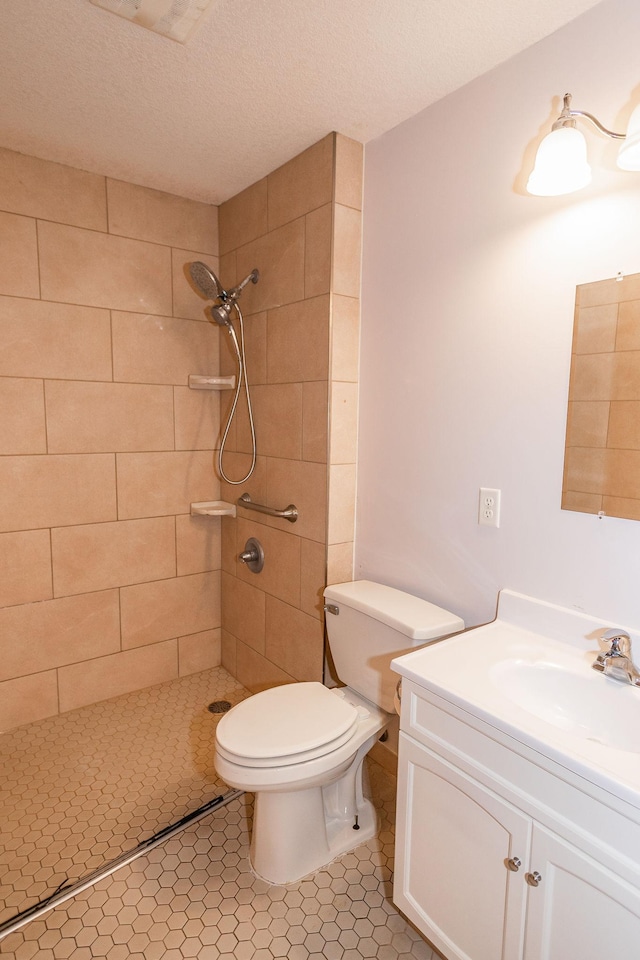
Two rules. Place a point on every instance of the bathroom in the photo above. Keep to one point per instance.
(467, 300)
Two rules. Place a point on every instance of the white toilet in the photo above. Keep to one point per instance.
(299, 747)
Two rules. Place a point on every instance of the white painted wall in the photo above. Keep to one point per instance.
(468, 295)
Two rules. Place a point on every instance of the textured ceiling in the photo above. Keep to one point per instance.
(259, 81)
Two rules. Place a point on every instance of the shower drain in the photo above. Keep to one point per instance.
(219, 706)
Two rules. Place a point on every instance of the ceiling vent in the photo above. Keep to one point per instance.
(175, 19)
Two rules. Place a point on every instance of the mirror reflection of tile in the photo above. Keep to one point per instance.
(602, 448)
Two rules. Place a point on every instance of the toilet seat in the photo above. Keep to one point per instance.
(286, 725)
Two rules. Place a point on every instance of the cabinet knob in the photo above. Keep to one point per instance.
(514, 863)
(533, 879)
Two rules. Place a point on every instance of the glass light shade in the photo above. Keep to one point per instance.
(561, 164)
(629, 152)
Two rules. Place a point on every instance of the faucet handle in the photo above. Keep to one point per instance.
(620, 643)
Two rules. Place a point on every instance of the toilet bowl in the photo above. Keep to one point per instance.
(300, 747)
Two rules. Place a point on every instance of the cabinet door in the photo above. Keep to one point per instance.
(454, 839)
(579, 908)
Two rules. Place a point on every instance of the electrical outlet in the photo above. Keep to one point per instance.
(489, 507)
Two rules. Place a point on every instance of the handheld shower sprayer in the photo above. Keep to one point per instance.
(221, 313)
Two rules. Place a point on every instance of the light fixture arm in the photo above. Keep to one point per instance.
(564, 120)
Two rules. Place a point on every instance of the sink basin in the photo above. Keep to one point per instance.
(604, 714)
(527, 675)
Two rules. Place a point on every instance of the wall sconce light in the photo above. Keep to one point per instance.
(561, 161)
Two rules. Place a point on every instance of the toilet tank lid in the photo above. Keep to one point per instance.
(412, 616)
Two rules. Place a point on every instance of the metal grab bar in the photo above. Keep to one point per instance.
(289, 513)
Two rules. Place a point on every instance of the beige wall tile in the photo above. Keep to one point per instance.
(101, 417)
(38, 636)
(587, 423)
(151, 349)
(159, 484)
(244, 217)
(278, 421)
(342, 502)
(581, 502)
(22, 425)
(18, 256)
(294, 641)
(340, 562)
(347, 246)
(622, 474)
(98, 270)
(626, 377)
(169, 608)
(608, 291)
(41, 339)
(107, 677)
(345, 338)
(304, 484)
(585, 469)
(298, 341)
(313, 565)
(255, 672)
(255, 347)
(344, 423)
(101, 555)
(236, 465)
(619, 507)
(281, 572)
(197, 418)
(187, 301)
(229, 269)
(315, 415)
(229, 644)
(53, 491)
(595, 329)
(243, 611)
(200, 651)
(27, 699)
(349, 172)
(317, 258)
(624, 425)
(592, 377)
(279, 256)
(25, 567)
(40, 188)
(147, 214)
(228, 546)
(628, 335)
(198, 542)
(302, 184)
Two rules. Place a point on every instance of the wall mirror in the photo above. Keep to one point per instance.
(602, 447)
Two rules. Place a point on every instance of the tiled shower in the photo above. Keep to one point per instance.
(107, 583)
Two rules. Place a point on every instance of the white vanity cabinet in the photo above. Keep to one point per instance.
(499, 855)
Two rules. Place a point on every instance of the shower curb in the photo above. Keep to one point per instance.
(69, 890)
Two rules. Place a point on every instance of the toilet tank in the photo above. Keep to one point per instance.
(373, 624)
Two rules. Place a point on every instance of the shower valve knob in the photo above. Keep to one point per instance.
(252, 555)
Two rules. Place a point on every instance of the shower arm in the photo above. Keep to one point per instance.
(289, 513)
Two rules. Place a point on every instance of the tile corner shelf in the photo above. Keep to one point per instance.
(198, 382)
(213, 508)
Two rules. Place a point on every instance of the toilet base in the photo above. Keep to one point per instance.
(297, 832)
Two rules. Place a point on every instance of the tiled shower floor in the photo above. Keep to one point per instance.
(79, 789)
(194, 895)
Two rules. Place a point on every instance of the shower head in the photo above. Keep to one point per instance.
(221, 313)
(206, 280)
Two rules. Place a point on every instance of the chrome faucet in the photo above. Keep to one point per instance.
(617, 662)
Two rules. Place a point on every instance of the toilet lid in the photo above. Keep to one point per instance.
(286, 724)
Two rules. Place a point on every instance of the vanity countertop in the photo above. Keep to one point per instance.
(528, 674)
